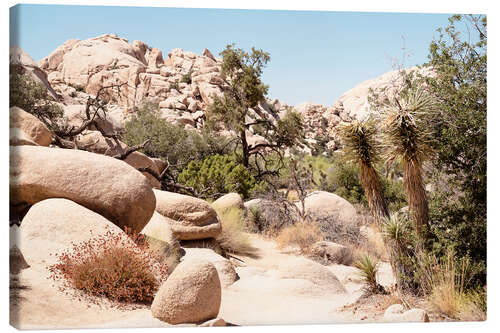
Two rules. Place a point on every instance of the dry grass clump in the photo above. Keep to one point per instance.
(302, 234)
(445, 282)
(111, 265)
(233, 238)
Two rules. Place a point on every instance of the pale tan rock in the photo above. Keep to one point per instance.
(191, 294)
(54, 59)
(30, 125)
(154, 58)
(159, 228)
(162, 242)
(17, 137)
(208, 54)
(228, 201)
(325, 204)
(226, 271)
(94, 141)
(194, 218)
(52, 226)
(18, 57)
(309, 270)
(103, 184)
(332, 252)
(396, 313)
(217, 322)
(140, 160)
(160, 164)
(354, 102)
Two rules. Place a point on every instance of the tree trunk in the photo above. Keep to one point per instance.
(417, 200)
(373, 191)
(246, 153)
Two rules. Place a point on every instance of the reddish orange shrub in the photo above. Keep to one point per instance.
(111, 265)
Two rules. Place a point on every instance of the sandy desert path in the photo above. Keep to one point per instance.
(275, 287)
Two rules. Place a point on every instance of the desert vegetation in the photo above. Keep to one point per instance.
(404, 186)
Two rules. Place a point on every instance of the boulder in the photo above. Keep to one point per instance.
(159, 228)
(28, 66)
(140, 160)
(30, 125)
(16, 260)
(397, 313)
(252, 204)
(95, 142)
(385, 276)
(332, 253)
(52, 226)
(323, 204)
(162, 242)
(191, 218)
(100, 183)
(226, 271)
(309, 270)
(191, 294)
(17, 137)
(228, 201)
(160, 164)
(354, 103)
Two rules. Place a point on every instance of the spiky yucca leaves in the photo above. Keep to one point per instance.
(406, 139)
(361, 145)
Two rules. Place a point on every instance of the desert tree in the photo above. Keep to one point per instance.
(237, 110)
(406, 138)
(362, 146)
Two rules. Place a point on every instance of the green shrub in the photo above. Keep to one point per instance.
(186, 78)
(368, 271)
(171, 142)
(32, 96)
(217, 174)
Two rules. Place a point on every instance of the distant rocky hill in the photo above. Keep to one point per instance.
(182, 82)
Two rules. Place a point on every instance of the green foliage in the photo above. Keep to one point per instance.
(244, 90)
(32, 96)
(458, 210)
(360, 141)
(218, 174)
(171, 142)
(186, 78)
(368, 271)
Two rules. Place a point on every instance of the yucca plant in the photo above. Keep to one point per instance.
(361, 145)
(406, 139)
(395, 230)
(368, 271)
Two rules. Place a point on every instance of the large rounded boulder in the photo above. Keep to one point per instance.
(54, 225)
(326, 204)
(190, 218)
(226, 271)
(105, 185)
(191, 294)
(30, 125)
(228, 201)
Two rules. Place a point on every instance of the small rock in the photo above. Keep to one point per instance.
(217, 322)
(191, 294)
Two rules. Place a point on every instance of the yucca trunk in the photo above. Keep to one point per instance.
(373, 191)
(415, 193)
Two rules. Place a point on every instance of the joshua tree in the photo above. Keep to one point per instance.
(362, 146)
(406, 139)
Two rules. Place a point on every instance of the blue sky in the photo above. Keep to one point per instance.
(315, 56)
